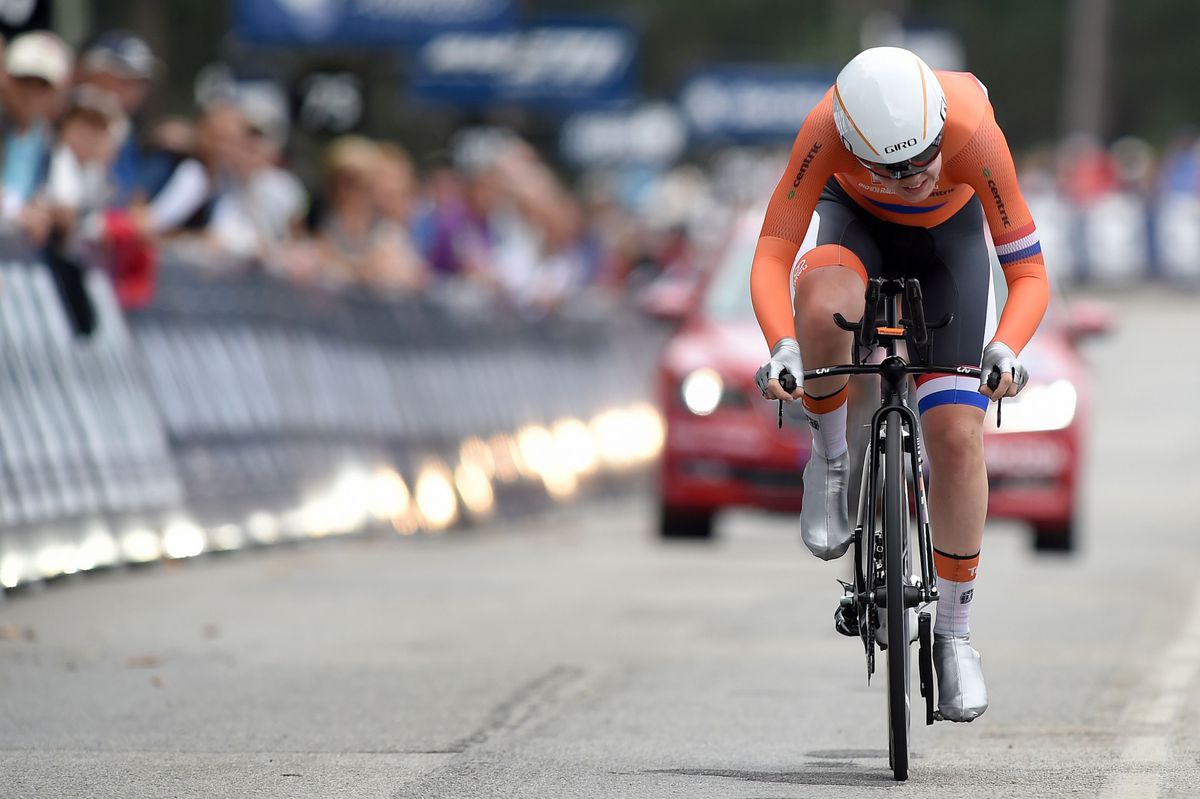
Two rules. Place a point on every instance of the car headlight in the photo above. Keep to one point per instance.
(701, 391)
(1039, 407)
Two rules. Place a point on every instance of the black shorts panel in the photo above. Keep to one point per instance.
(951, 260)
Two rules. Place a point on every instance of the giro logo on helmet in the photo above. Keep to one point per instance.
(898, 145)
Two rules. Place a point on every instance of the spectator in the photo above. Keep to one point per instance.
(461, 224)
(122, 64)
(78, 184)
(537, 229)
(261, 210)
(355, 244)
(169, 143)
(1179, 172)
(1087, 172)
(395, 185)
(185, 202)
(37, 66)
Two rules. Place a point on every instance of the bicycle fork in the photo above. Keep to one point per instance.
(865, 593)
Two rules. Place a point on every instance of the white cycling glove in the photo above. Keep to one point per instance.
(785, 355)
(1000, 356)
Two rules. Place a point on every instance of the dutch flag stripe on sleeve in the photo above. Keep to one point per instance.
(1018, 245)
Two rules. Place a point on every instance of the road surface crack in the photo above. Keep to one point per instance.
(530, 699)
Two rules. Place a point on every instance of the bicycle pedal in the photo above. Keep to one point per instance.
(925, 665)
(845, 620)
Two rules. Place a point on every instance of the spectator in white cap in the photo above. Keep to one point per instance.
(37, 67)
(122, 64)
(260, 212)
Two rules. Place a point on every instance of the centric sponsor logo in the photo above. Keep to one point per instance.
(987, 173)
(804, 165)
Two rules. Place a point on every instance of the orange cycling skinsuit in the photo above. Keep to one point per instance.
(865, 186)
(976, 164)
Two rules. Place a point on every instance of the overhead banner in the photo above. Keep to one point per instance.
(751, 104)
(561, 64)
(652, 134)
(320, 22)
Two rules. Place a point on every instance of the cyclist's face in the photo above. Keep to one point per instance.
(918, 187)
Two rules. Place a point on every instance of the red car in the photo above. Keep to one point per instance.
(724, 449)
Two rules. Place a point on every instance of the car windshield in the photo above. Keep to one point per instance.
(728, 295)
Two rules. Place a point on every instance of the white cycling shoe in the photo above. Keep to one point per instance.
(962, 693)
(825, 515)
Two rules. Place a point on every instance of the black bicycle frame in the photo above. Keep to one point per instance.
(893, 371)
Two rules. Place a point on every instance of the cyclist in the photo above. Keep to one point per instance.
(903, 171)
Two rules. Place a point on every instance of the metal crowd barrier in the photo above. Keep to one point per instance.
(240, 410)
(1121, 239)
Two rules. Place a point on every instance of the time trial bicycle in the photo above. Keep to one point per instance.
(892, 496)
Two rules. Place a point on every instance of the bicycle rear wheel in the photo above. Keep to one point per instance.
(895, 536)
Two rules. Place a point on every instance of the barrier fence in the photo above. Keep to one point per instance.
(241, 410)
(1121, 239)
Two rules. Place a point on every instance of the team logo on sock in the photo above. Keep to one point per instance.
(966, 596)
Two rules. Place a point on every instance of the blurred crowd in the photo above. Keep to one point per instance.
(1082, 171)
(89, 179)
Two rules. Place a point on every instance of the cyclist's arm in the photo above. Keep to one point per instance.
(987, 166)
(787, 219)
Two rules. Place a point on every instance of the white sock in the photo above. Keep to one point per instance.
(827, 418)
(956, 590)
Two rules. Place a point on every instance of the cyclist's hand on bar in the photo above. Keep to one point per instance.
(998, 357)
(785, 356)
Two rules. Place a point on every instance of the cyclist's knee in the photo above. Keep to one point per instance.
(829, 279)
(954, 436)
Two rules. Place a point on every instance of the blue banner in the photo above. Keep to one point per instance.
(651, 134)
(321, 22)
(565, 64)
(751, 104)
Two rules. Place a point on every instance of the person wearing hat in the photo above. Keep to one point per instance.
(123, 65)
(37, 66)
(261, 214)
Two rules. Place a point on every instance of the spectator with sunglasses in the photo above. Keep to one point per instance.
(902, 171)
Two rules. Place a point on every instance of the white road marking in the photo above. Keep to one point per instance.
(1131, 786)
(1153, 710)
(1145, 749)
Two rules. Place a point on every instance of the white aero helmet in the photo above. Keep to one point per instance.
(890, 110)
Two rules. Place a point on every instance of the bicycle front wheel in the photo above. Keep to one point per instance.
(895, 536)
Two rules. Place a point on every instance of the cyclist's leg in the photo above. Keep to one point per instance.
(958, 280)
(828, 279)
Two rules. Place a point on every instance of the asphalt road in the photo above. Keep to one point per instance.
(578, 657)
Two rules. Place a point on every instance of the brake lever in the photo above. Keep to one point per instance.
(787, 381)
(993, 382)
